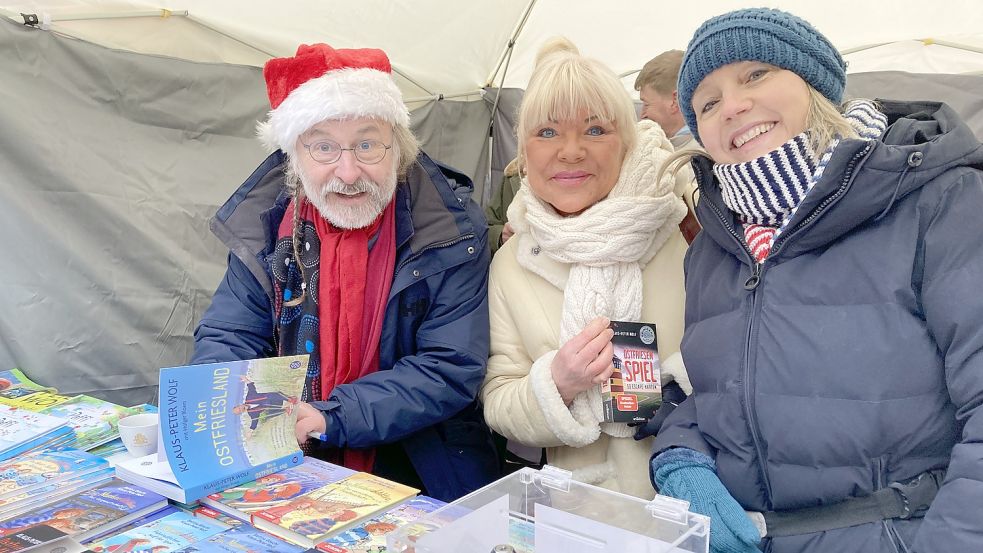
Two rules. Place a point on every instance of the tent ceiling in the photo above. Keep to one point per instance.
(450, 48)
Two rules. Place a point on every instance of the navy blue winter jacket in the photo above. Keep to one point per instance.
(853, 356)
(434, 344)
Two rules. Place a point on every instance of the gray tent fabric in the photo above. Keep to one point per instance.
(110, 165)
(455, 133)
(504, 143)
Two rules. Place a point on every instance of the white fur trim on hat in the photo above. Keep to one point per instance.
(339, 94)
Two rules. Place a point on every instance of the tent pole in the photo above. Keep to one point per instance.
(956, 45)
(230, 36)
(418, 85)
(507, 53)
(443, 96)
(162, 13)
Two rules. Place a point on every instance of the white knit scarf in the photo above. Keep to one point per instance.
(606, 247)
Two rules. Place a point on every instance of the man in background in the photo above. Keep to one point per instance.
(656, 86)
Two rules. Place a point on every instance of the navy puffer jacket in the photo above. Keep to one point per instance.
(853, 356)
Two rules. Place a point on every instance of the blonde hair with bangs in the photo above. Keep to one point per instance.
(565, 84)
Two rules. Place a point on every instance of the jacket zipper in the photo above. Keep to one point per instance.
(751, 285)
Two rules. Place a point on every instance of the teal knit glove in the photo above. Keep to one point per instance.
(686, 474)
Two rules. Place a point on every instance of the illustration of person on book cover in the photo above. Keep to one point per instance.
(61, 519)
(362, 535)
(262, 406)
(272, 487)
(312, 516)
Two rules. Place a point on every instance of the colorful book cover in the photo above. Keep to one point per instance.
(634, 390)
(208, 512)
(89, 512)
(222, 424)
(30, 399)
(15, 378)
(26, 472)
(170, 533)
(242, 539)
(275, 489)
(32, 537)
(21, 429)
(95, 421)
(146, 519)
(308, 519)
(16, 504)
(58, 440)
(108, 449)
(370, 536)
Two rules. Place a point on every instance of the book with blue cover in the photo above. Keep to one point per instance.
(242, 538)
(89, 512)
(275, 489)
(222, 424)
(22, 430)
(146, 519)
(35, 470)
(170, 533)
(36, 497)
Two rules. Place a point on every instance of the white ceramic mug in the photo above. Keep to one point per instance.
(139, 433)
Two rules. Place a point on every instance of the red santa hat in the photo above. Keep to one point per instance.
(322, 83)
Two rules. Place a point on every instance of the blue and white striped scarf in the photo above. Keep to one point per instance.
(766, 192)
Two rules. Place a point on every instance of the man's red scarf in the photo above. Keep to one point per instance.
(352, 284)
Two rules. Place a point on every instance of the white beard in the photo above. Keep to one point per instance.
(355, 216)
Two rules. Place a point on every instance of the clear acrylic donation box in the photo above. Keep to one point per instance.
(545, 511)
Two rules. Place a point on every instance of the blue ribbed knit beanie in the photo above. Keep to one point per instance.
(760, 34)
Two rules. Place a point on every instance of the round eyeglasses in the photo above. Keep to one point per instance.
(368, 152)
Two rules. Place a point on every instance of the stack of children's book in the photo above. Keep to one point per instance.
(83, 514)
(172, 532)
(34, 479)
(34, 417)
(23, 432)
(314, 516)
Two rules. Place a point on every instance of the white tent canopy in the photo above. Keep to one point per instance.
(439, 47)
(125, 124)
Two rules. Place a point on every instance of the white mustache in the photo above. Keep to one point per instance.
(338, 186)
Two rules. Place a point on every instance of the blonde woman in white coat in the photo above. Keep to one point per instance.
(596, 239)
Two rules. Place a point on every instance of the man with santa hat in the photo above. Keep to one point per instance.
(350, 244)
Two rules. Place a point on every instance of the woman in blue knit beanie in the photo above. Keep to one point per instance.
(832, 315)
